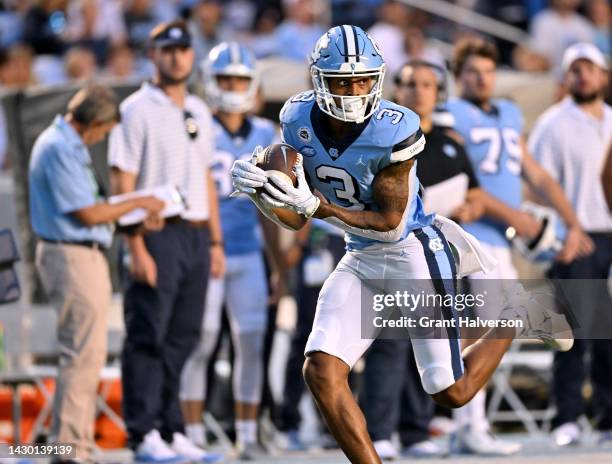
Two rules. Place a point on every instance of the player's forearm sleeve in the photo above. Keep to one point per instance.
(387, 236)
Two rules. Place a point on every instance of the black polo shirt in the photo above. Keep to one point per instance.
(443, 158)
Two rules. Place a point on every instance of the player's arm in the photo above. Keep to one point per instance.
(274, 255)
(142, 265)
(217, 255)
(391, 193)
(606, 178)
(578, 242)
(524, 223)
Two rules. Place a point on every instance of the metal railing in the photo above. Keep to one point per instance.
(469, 18)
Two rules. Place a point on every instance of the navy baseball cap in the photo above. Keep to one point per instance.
(174, 33)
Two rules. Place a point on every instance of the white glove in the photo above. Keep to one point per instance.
(246, 177)
(282, 194)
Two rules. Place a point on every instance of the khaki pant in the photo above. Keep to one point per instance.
(77, 282)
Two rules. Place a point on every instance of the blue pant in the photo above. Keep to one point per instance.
(306, 296)
(590, 305)
(162, 329)
(393, 397)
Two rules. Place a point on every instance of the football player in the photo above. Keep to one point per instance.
(359, 151)
(231, 84)
(492, 130)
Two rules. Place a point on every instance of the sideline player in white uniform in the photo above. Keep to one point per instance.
(231, 85)
(491, 129)
(359, 153)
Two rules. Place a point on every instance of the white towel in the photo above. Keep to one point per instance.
(472, 257)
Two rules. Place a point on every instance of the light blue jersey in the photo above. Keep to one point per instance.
(344, 170)
(493, 143)
(239, 216)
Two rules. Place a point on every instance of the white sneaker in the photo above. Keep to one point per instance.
(539, 321)
(385, 449)
(185, 448)
(468, 441)
(422, 449)
(292, 441)
(155, 450)
(566, 434)
(250, 451)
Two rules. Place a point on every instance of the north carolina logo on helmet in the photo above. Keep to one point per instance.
(347, 51)
(321, 44)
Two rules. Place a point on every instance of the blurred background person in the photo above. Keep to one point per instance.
(417, 47)
(73, 222)
(552, 31)
(207, 27)
(141, 16)
(492, 129)
(231, 83)
(165, 138)
(571, 141)
(97, 24)
(606, 179)
(121, 63)
(44, 26)
(16, 71)
(12, 13)
(600, 14)
(389, 32)
(295, 37)
(80, 64)
(315, 251)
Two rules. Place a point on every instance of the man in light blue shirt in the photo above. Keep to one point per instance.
(63, 181)
(73, 221)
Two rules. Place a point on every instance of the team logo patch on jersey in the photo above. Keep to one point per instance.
(308, 151)
(435, 244)
(333, 152)
(449, 150)
(304, 134)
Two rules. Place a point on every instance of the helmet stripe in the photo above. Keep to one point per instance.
(346, 58)
(356, 43)
(349, 43)
(234, 52)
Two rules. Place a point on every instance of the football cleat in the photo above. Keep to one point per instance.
(538, 321)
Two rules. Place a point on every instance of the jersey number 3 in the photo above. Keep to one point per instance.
(348, 195)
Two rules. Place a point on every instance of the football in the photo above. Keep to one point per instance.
(279, 159)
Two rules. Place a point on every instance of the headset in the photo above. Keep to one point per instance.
(440, 72)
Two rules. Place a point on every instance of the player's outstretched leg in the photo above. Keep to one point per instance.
(480, 361)
(482, 358)
(327, 379)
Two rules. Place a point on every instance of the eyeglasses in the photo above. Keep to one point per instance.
(191, 125)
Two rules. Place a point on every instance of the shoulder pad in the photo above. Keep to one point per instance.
(510, 109)
(505, 104)
(263, 124)
(395, 122)
(443, 117)
(294, 106)
(454, 104)
(398, 128)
